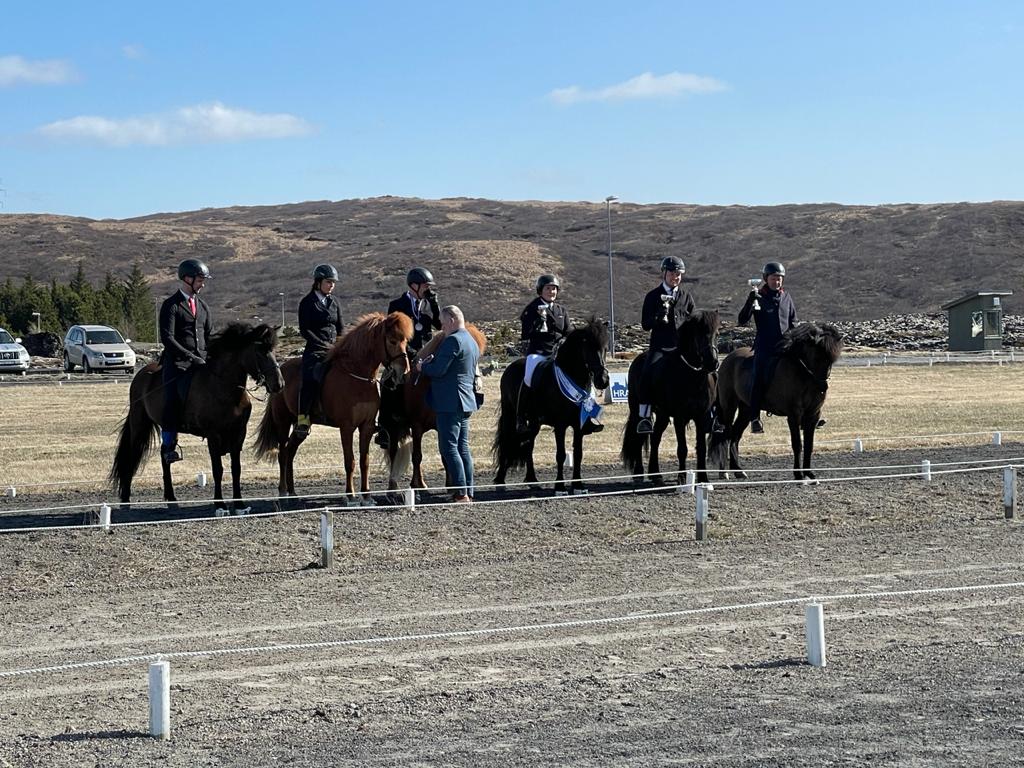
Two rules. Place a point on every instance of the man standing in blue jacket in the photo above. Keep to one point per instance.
(452, 370)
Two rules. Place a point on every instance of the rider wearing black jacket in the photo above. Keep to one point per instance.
(319, 324)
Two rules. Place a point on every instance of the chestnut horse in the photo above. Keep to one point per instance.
(418, 418)
(796, 390)
(217, 408)
(349, 397)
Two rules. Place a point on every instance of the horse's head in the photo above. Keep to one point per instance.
(815, 348)
(584, 351)
(697, 341)
(259, 361)
(397, 332)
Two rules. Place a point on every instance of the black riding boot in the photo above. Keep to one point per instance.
(522, 405)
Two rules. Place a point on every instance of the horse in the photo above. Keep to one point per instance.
(349, 397)
(796, 390)
(418, 418)
(683, 391)
(217, 408)
(581, 357)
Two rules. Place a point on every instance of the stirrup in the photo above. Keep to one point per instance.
(170, 454)
(302, 426)
(382, 439)
(756, 427)
(592, 425)
(645, 426)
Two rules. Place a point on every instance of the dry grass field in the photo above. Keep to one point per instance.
(66, 434)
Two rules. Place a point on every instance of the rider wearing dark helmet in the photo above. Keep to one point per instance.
(545, 324)
(185, 329)
(419, 302)
(774, 313)
(665, 309)
(319, 324)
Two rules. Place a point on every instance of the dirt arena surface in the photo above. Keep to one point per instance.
(934, 679)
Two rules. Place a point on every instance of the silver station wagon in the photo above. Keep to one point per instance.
(97, 348)
(13, 356)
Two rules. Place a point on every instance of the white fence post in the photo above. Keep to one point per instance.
(105, 517)
(926, 470)
(326, 538)
(814, 616)
(858, 446)
(201, 480)
(160, 699)
(1010, 492)
(701, 512)
(410, 499)
(997, 438)
(12, 491)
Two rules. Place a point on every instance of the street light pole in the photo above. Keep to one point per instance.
(611, 286)
(282, 309)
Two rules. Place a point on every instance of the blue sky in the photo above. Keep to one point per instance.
(118, 109)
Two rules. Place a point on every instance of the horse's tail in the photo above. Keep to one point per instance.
(134, 445)
(718, 449)
(266, 446)
(509, 450)
(399, 463)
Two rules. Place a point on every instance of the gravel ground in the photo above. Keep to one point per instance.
(933, 679)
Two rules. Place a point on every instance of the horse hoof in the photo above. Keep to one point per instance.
(242, 511)
(220, 512)
(741, 475)
(561, 493)
(580, 492)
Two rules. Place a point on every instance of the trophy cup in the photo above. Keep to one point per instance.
(755, 283)
(667, 301)
(543, 312)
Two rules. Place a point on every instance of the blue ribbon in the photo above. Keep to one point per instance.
(572, 392)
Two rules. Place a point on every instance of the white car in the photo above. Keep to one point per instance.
(13, 356)
(97, 348)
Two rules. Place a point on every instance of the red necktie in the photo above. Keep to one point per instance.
(192, 305)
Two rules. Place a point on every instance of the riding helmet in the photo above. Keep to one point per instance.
(419, 275)
(545, 280)
(325, 272)
(672, 264)
(193, 268)
(773, 268)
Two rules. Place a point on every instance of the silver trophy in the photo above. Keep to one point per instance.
(543, 312)
(755, 283)
(667, 300)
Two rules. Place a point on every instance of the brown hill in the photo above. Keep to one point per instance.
(845, 262)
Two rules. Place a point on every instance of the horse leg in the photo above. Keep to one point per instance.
(794, 439)
(559, 459)
(417, 458)
(365, 435)
(653, 464)
(681, 449)
(577, 459)
(168, 483)
(742, 422)
(810, 424)
(217, 468)
(236, 474)
(702, 452)
(531, 472)
(350, 462)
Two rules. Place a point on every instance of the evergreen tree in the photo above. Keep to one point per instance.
(139, 312)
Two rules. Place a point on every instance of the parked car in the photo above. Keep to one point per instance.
(97, 348)
(13, 356)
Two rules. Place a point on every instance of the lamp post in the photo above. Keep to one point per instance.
(282, 309)
(611, 289)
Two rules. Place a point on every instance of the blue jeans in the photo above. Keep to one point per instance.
(453, 443)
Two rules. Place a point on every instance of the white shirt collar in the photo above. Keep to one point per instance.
(667, 288)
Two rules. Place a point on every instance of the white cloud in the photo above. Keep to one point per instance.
(645, 86)
(15, 70)
(200, 124)
(133, 51)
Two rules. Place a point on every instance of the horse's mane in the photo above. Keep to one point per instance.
(363, 340)
(592, 328)
(704, 321)
(235, 336)
(825, 336)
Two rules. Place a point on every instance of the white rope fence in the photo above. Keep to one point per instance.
(159, 670)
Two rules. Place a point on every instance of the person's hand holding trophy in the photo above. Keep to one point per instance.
(755, 283)
(543, 312)
(667, 301)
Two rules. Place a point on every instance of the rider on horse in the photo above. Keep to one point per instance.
(185, 329)
(545, 324)
(419, 303)
(319, 324)
(665, 309)
(774, 313)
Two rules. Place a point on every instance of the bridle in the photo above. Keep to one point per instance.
(822, 383)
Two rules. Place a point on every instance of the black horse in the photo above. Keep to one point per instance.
(217, 409)
(682, 391)
(581, 357)
(796, 390)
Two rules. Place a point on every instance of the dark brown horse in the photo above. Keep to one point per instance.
(418, 418)
(217, 408)
(796, 390)
(682, 391)
(349, 397)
